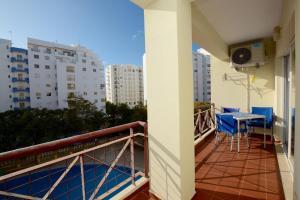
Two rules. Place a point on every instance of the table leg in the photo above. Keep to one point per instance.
(264, 132)
(239, 135)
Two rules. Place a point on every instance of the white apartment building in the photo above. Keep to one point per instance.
(202, 82)
(14, 77)
(58, 71)
(124, 84)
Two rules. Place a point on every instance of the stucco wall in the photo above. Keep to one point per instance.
(245, 88)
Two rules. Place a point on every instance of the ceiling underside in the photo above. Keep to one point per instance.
(241, 20)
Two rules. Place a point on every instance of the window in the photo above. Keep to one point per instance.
(36, 66)
(96, 101)
(47, 57)
(48, 85)
(93, 63)
(71, 78)
(84, 93)
(70, 69)
(84, 69)
(8, 66)
(20, 66)
(36, 56)
(95, 93)
(71, 86)
(38, 95)
(94, 70)
(84, 60)
(35, 48)
(8, 76)
(7, 56)
(7, 47)
(102, 100)
(19, 57)
(47, 67)
(48, 50)
(48, 94)
(22, 105)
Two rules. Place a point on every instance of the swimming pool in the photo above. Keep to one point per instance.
(37, 184)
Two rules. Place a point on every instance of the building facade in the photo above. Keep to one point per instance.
(124, 84)
(14, 77)
(58, 72)
(202, 82)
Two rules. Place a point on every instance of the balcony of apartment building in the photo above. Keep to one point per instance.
(19, 60)
(20, 89)
(18, 50)
(177, 169)
(21, 99)
(20, 69)
(176, 154)
(20, 79)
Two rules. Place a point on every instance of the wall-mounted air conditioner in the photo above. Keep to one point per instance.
(247, 55)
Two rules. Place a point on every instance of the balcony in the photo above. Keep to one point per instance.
(18, 50)
(21, 60)
(21, 99)
(15, 69)
(14, 79)
(15, 89)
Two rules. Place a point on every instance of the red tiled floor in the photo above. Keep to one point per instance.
(223, 175)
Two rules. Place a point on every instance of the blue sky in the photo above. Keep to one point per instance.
(114, 29)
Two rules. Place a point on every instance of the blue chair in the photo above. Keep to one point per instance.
(230, 110)
(268, 113)
(228, 125)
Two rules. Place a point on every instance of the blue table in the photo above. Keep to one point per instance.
(242, 116)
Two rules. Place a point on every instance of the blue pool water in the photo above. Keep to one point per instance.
(70, 186)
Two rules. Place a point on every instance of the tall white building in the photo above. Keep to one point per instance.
(14, 77)
(124, 84)
(58, 71)
(202, 82)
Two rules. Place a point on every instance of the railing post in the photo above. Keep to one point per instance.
(212, 111)
(82, 177)
(132, 157)
(146, 151)
(200, 122)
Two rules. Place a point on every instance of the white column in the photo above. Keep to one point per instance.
(297, 105)
(170, 98)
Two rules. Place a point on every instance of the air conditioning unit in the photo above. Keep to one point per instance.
(247, 55)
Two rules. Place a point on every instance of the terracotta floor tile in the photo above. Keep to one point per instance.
(251, 174)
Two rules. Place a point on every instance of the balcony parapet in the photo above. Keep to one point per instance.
(22, 60)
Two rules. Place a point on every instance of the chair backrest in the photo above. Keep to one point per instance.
(266, 111)
(226, 123)
(230, 110)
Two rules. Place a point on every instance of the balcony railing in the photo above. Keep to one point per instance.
(15, 89)
(15, 69)
(18, 50)
(93, 165)
(204, 121)
(22, 60)
(14, 79)
(21, 99)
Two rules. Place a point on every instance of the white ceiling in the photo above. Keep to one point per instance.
(241, 20)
